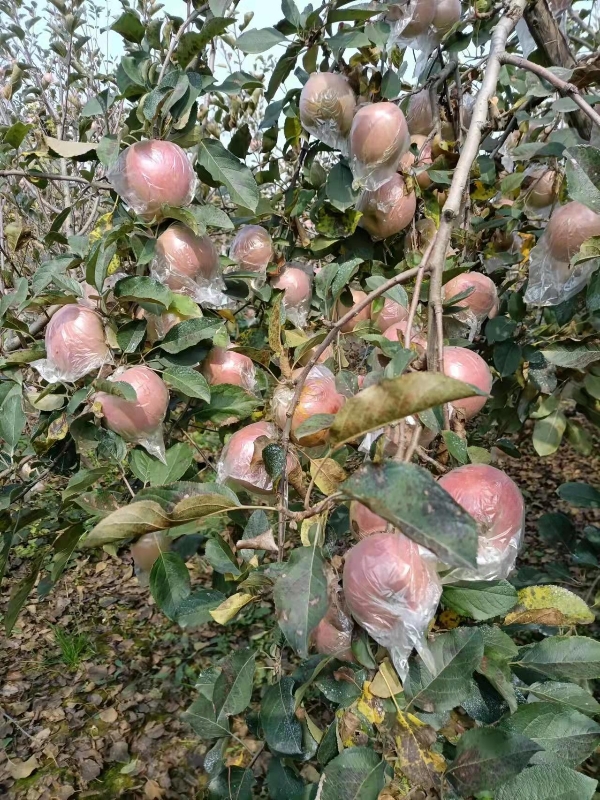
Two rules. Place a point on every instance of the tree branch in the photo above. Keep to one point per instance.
(53, 176)
(566, 89)
(38, 325)
(176, 39)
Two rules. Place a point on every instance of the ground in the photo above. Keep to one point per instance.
(98, 716)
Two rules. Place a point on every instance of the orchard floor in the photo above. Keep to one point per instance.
(107, 725)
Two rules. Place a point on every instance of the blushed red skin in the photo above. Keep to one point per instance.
(392, 313)
(155, 172)
(569, 227)
(226, 366)
(362, 316)
(148, 548)
(466, 365)
(423, 158)
(378, 569)
(129, 419)
(327, 100)
(296, 286)
(491, 497)
(379, 135)
(364, 522)
(191, 256)
(447, 13)
(483, 301)
(252, 248)
(540, 193)
(239, 466)
(397, 332)
(318, 396)
(387, 210)
(74, 335)
(330, 641)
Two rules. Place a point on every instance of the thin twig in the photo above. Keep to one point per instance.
(36, 327)
(566, 89)
(16, 724)
(52, 176)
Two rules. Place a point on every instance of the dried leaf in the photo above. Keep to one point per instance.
(421, 765)
(327, 474)
(549, 605)
(22, 769)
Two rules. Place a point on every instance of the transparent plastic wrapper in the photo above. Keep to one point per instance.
(409, 20)
(447, 13)
(540, 192)
(75, 345)
(146, 550)
(393, 437)
(496, 503)
(360, 319)
(416, 162)
(153, 173)
(319, 396)
(295, 281)
(189, 264)
(160, 325)
(552, 280)
(364, 522)
(480, 305)
(419, 114)
(392, 313)
(469, 367)
(392, 590)
(387, 210)
(397, 331)
(139, 421)
(327, 107)
(333, 634)
(252, 251)
(241, 465)
(378, 139)
(223, 365)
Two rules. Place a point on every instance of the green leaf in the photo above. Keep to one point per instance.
(283, 782)
(143, 290)
(202, 718)
(480, 600)
(549, 605)
(455, 655)
(220, 556)
(143, 516)
(188, 382)
(580, 495)
(356, 774)
(548, 782)
(232, 783)
(64, 547)
(179, 458)
(572, 357)
(189, 333)
(234, 83)
(12, 419)
(564, 658)
(169, 583)
(225, 168)
(258, 40)
(194, 610)
(457, 446)
(485, 758)
(20, 593)
(563, 734)
(131, 335)
(314, 424)
(129, 26)
(300, 596)
(17, 132)
(283, 68)
(556, 528)
(283, 732)
(409, 498)
(569, 695)
(120, 389)
(583, 175)
(233, 687)
(81, 481)
(548, 433)
(212, 217)
(207, 498)
(339, 188)
(507, 358)
(228, 404)
(392, 400)
(192, 43)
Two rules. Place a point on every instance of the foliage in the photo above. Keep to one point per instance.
(502, 700)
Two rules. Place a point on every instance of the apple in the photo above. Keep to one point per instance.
(148, 548)
(378, 139)
(483, 300)
(327, 106)
(469, 367)
(362, 316)
(387, 210)
(241, 465)
(252, 249)
(75, 344)
(223, 365)
(568, 228)
(133, 420)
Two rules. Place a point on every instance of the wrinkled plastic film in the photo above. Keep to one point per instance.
(552, 281)
(392, 591)
(75, 345)
(222, 365)
(379, 138)
(296, 283)
(319, 396)
(241, 465)
(387, 210)
(333, 634)
(151, 173)
(327, 106)
(252, 251)
(496, 503)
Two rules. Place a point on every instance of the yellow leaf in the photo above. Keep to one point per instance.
(448, 619)
(314, 729)
(386, 683)
(294, 338)
(549, 605)
(230, 607)
(312, 530)
(421, 765)
(327, 474)
(483, 192)
(369, 706)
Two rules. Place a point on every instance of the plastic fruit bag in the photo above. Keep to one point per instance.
(327, 106)
(241, 465)
(252, 251)
(379, 138)
(295, 281)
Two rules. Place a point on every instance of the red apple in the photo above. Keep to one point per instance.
(296, 284)
(148, 548)
(420, 21)
(391, 314)
(568, 228)
(483, 300)
(541, 191)
(447, 14)
(469, 367)
(182, 258)
(378, 139)
(222, 365)
(151, 173)
(387, 210)
(423, 158)
(364, 522)
(362, 316)
(133, 420)
(419, 114)
(241, 465)
(252, 249)
(397, 332)
(327, 106)
(75, 344)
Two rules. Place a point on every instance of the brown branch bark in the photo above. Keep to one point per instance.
(555, 50)
(565, 88)
(53, 176)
